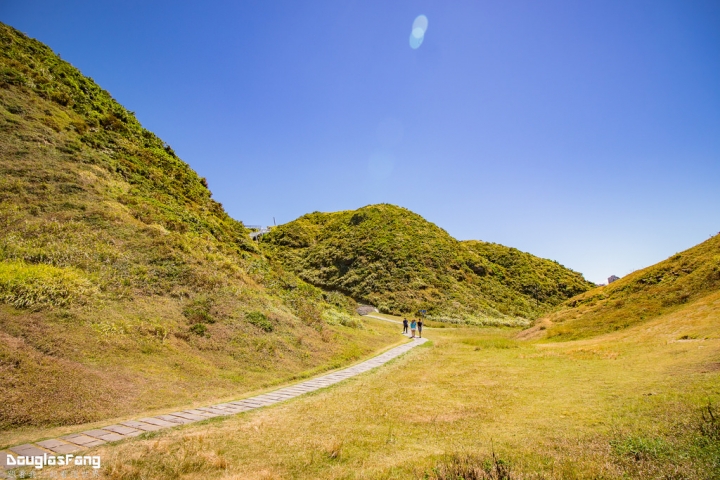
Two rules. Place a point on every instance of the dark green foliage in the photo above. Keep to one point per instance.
(199, 329)
(392, 258)
(198, 311)
(259, 320)
(545, 281)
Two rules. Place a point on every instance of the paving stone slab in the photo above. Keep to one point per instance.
(263, 399)
(295, 391)
(216, 411)
(104, 435)
(159, 422)
(242, 406)
(234, 407)
(58, 446)
(28, 450)
(146, 427)
(272, 398)
(174, 419)
(190, 416)
(84, 440)
(202, 414)
(3, 460)
(245, 404)
(123, 430)
(285, 395)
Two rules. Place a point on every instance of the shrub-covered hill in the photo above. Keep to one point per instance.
(398, 261)
(123, 285)
(675, 283)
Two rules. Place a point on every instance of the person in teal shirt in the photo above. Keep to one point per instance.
(413, 326)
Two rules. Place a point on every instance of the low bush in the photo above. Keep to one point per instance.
(260, 320)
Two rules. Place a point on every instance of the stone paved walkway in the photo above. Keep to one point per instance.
(91, 438)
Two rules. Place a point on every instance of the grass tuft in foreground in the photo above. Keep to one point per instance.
(465, 466)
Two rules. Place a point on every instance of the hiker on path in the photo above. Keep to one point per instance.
(405, 325)
(413, 326)
(420, 327)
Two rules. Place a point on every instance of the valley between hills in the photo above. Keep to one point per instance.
(127, 290)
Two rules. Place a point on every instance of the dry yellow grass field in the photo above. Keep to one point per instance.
(622, 405)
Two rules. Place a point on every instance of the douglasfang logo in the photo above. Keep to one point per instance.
(38, 461)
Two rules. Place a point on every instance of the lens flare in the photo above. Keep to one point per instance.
(415, 42)
(421, 22)
(417, 35)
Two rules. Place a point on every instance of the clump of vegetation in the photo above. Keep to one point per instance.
(199, 329)
(259, 320)
(641, 448)
(32, 286)
(470, 467)
(198, 311)
(642, 295)
(334, 317)
(394, 259)
(710, 423)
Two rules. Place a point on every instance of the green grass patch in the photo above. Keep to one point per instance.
(260, 320)
(32, 286)
(491, 342)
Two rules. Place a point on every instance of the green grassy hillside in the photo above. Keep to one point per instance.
(395, 259)
(672, 284)
(123, 285)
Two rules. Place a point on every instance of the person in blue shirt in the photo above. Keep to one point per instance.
(413, 326)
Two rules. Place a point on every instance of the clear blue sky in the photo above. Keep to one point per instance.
(583, 131)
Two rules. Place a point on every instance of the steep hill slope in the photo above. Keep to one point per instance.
(670, 285)
(394, 259)
(123, 285)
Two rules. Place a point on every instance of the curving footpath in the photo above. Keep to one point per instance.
(112, 433)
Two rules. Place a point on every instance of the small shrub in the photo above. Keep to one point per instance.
(259, 320)
(198, 311)
(15, 109)
(199, 329)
